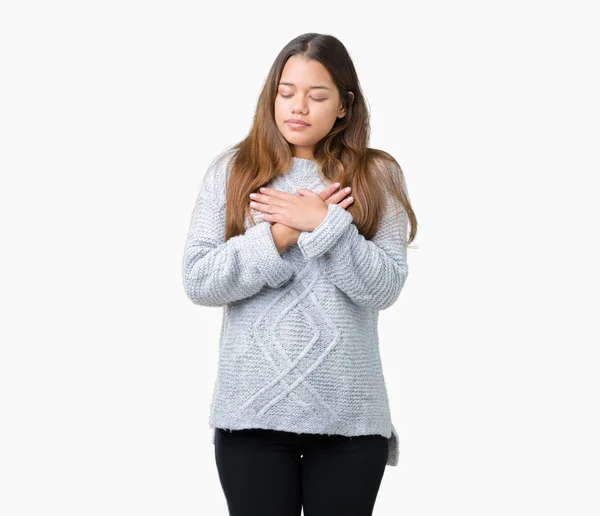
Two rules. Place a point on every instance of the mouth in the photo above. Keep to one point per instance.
(297, 123)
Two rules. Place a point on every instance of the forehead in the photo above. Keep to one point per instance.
(301, 73)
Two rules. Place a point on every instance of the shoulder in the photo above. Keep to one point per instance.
(217, 173)
(382, 162)
(387, 172)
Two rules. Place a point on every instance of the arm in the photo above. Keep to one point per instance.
(370, 272)
(217, 272)
(283, 236)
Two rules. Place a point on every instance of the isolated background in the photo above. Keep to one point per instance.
(110, 113)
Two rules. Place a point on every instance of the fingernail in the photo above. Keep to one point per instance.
(336, 185)
(350, 198)
(347, 189)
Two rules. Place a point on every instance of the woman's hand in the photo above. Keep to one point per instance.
(302, 212)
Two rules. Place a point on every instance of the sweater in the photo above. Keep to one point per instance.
(299, 345)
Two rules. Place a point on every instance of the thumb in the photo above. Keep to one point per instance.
(303, 191)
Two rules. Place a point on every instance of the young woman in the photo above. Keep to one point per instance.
(300, 232)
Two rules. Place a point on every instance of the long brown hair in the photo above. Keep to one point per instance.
(342, 155)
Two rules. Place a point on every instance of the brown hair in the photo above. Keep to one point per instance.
(342, 155)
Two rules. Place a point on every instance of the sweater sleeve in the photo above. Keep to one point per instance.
(217, 272)
(370, 272)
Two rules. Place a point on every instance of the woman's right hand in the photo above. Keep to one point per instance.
(331, 194)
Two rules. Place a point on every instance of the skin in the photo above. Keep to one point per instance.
(320, 107)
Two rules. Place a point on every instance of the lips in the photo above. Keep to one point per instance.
(296, 122)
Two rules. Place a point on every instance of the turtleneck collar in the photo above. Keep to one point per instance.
(302, 165)
(302, 172)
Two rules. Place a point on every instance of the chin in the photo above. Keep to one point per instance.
(292, 138)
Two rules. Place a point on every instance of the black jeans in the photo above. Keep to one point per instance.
(275, 473)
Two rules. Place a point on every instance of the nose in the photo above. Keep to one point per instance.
(299, 105)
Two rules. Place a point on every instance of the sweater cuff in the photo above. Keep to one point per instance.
(261, 250)
(314, 243)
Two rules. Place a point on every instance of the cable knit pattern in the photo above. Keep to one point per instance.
(299, 348)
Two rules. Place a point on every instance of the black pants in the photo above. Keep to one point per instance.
(275, 473)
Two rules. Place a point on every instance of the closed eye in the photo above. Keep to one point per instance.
(288, 96)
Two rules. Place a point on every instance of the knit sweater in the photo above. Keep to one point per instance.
(299, 345)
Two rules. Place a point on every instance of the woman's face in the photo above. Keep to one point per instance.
(306, 92)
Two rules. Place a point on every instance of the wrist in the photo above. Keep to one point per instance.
(280, 236)
(287, 235)
(294, 234)
(325, 212)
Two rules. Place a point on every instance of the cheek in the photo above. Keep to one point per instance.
(279, 110)
(326, 115)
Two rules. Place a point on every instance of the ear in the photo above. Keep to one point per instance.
(343, 109)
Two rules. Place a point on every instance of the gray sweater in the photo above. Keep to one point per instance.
(299, 345)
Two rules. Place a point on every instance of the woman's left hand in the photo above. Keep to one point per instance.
(303, 212)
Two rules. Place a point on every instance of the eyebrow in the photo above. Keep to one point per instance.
(320, 87)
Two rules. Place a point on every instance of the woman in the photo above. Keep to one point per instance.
(302, 267)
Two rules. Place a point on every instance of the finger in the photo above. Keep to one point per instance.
(272, 192)
(271, 217)
(256, 197)
(265, 208)
(344, 203)
(328, 191)
(265, 199)
(305, 191)
(338, 196)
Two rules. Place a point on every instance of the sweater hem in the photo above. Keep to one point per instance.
(391, 436)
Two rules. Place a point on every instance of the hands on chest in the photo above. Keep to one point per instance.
(302, 212)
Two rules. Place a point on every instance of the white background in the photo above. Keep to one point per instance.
(110, 113)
